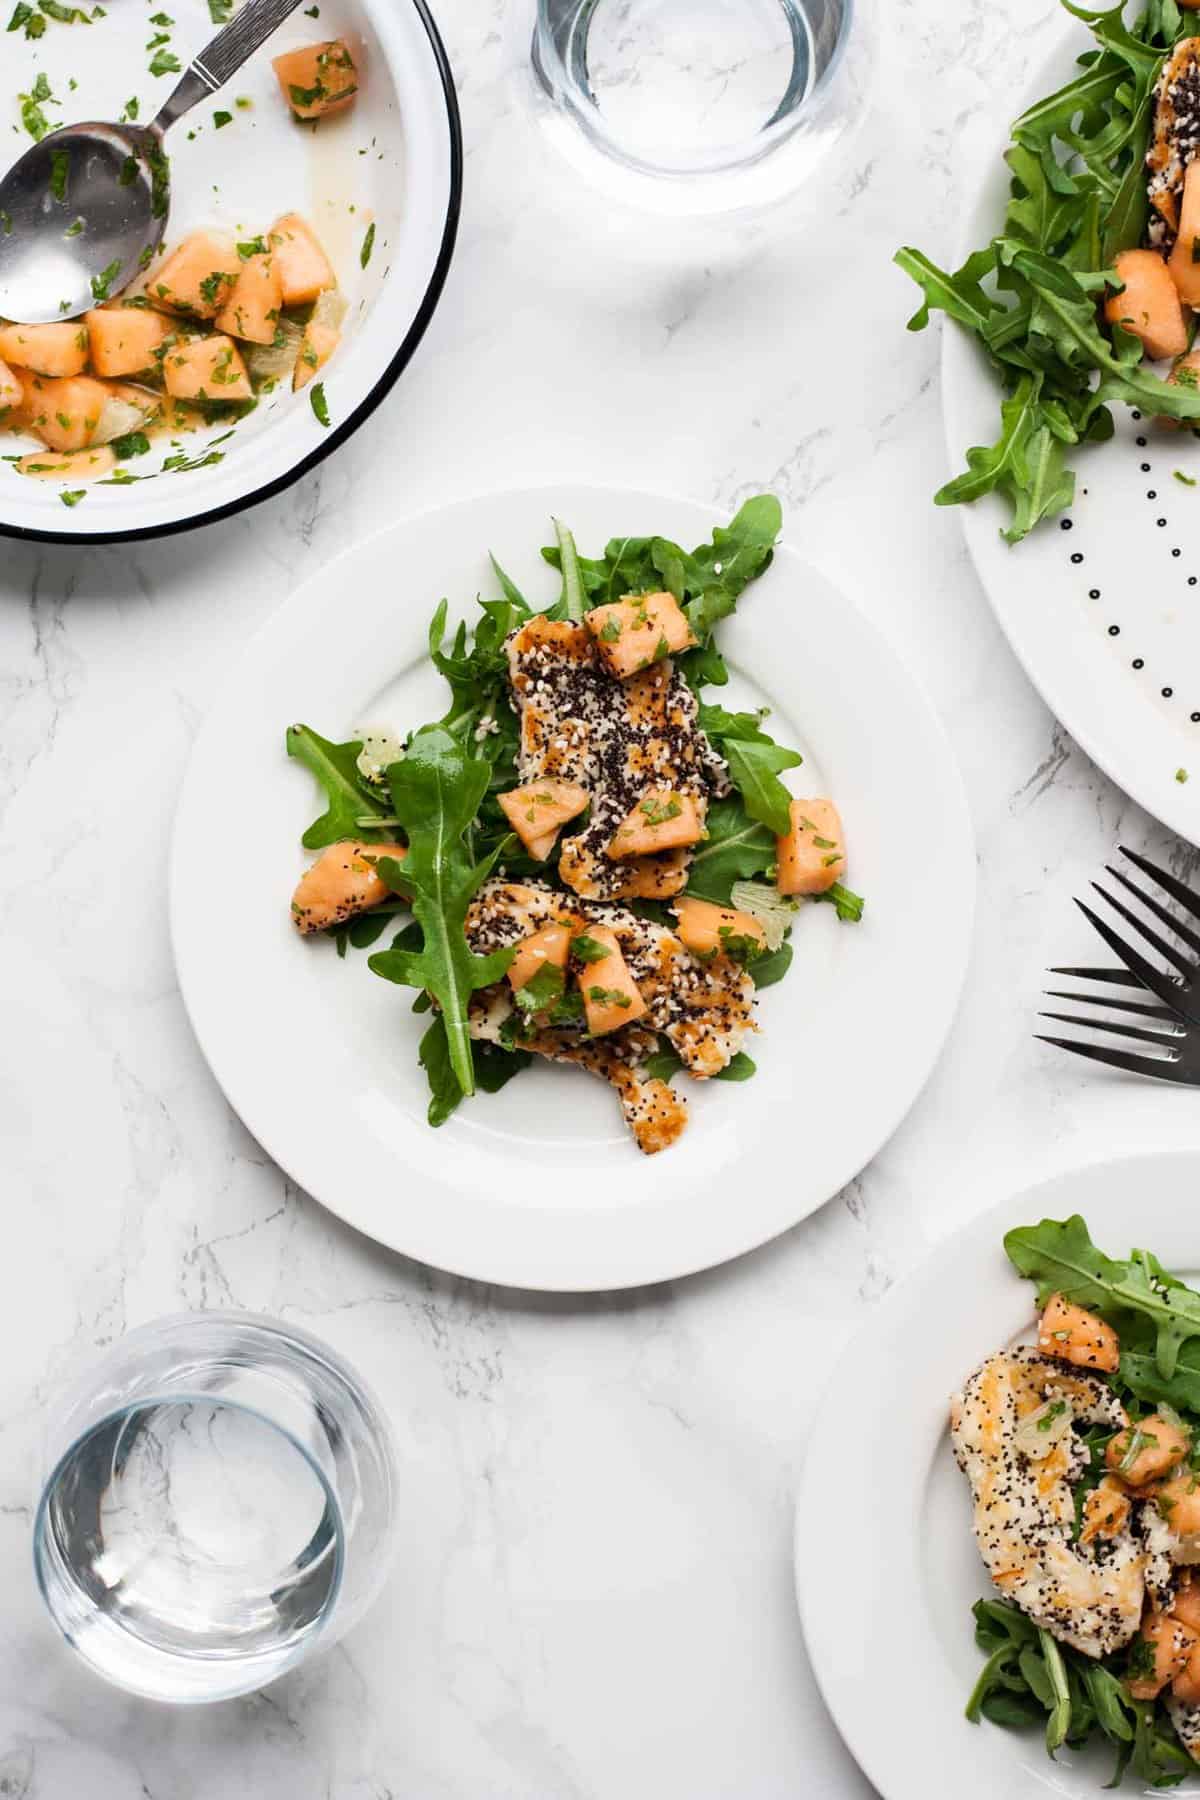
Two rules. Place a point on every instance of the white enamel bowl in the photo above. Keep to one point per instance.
(393, 160)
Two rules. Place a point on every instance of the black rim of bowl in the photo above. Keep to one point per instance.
(339, 434)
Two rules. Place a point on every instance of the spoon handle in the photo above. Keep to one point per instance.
(220, 59)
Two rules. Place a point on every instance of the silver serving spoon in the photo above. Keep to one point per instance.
(113, 178)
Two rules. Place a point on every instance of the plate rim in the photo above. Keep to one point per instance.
(958, 1255)
(387, 380)
(1165, 805)
(653, 1267)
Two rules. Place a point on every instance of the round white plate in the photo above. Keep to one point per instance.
(393, 159)
(886, 1565)
(1104, 614)
(540, 1186)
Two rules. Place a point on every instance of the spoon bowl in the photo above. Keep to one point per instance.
(82, 213)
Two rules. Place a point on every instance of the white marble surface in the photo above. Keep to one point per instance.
(594, 1594)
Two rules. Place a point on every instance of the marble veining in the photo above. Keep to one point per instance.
(593, 1598)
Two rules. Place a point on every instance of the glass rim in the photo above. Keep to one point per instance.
(732, 158)
(183, 1397)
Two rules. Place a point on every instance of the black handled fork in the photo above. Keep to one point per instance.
(1168, 1030)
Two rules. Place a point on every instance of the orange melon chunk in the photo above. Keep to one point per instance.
(316, 347)
(812, 855)
(317, 79)
(76, 465)
(11, 392)
(1184, 260)
(304, 269)
(64, 414)
(634, 632)
(253, 307)
(58, 350)
(705, 928)
(538, 812)
(1170, 1644)
(661, 820)
(124, 339)
(342, 882)
(549, 945)
(1078, 1336)
(209, 368)
(1149, 305)
(197, 277)
(610, 995)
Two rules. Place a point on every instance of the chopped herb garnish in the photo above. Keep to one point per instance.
(74, 229)
(135, 443)
(1181, 776)
(1187, 480)
(252, 247)
(320, 405)
(222, 118)
(609, 997)
(588, 950)
(368, 245)
(60, 169)
(72, 496)
(655, 813)
(164, 62)
(103, 282)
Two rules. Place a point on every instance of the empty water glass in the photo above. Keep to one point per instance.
(692, 106)
(217, 1499)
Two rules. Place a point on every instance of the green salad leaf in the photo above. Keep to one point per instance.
(1029, 297)
(737, 846)
(1150, 1310)
(436, 793)
(350, 798)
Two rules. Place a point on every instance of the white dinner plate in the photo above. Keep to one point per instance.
(886, 1565)
(1104, 614)
(392, 160)
(541, 1185)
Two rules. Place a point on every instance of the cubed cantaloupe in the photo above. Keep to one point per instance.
(77, 465)
(317, 79)
(124, 339)
(812, 855)
(196, 279)
(610, 994)
(1148, 305)
(1185, 372)
(634, 632)
(316, 347)
(60, 349)
(1184, 260)
(706, 928)
(253, 307)
(663, 819)
(538, 812)
(208, 369)
(304, 269)
(549, 945)
(64, 412)
(11, 394)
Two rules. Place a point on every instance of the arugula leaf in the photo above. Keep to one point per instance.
(772, 967)
(755, 770)
(1077, 198)
(736, 846)
(850, 906)
(436, 794)
(1136, 1297)
(666, 1063)
(350, 801)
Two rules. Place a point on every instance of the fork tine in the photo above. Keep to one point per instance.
(1169, 883)
(1159, 984)
(1159, 911)
(1121, 977)
(1158, 1066)
(1119, 1028)
(1129, 1006)
(1152, 938)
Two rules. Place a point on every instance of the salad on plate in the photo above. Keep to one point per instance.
(1082, 1451)
(598, 863)
(1085, 295)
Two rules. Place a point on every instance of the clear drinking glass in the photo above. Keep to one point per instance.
(217, 1498)
(692, 106)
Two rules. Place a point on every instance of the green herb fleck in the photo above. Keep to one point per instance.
(368, 245)
(320, 405)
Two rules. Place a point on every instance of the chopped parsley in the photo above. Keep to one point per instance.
(1187, 480)
(219, 11)
(72, 496)
(102, 282)
(588, 950)
(320, 405)
(609, 997)
(541, 990)
(252, 247)
(131, 108)
(368, 245)
(60, 169)
(32, 117)
(1181, 776)
(656, 813)
(164, 62)
(222, 118)
(74, 229)
(135, 443)
(610, 631)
